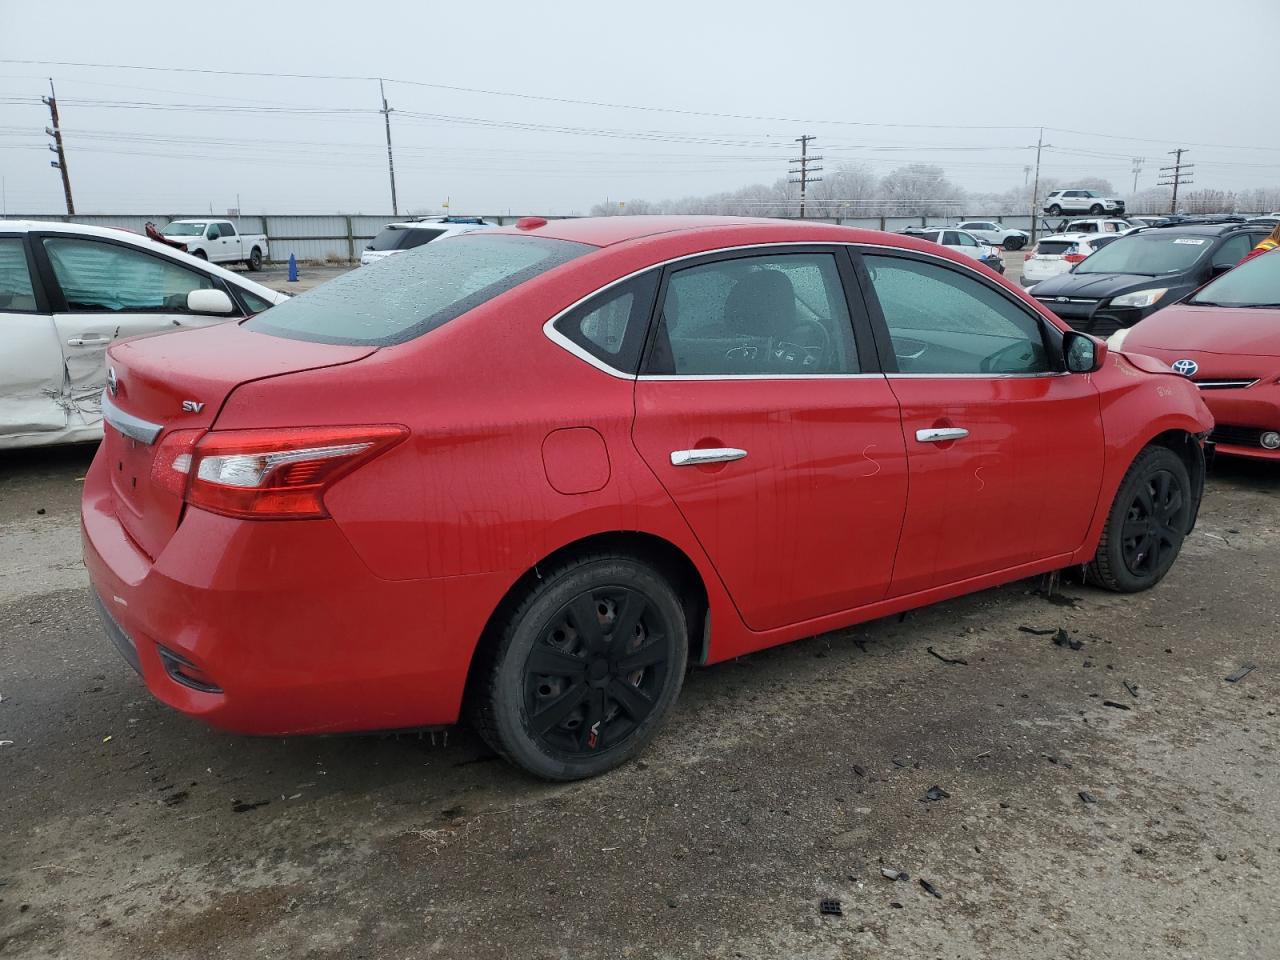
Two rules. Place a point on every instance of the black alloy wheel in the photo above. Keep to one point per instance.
(1148, 522)
(585, 668)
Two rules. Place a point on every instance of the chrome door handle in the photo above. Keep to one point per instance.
(693, 458)
(941, 434)
(87, 341)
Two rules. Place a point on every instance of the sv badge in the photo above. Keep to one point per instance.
(192, 406)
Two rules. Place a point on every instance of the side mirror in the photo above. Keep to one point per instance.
(1218, 269)
(1084, 354)
(209, 301)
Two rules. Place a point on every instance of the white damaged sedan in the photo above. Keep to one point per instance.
(67, 290)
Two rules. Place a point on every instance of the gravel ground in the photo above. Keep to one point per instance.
(782, 778)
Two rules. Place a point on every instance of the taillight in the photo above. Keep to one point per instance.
(1029, 254)
(278, 474)
(1073, 257)
(172, 463)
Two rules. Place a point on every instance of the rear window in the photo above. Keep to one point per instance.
(1053, 247)
(403, 238)
(404, 297)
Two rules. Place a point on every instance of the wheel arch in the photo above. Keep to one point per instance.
(1191, 452)
(669, 559)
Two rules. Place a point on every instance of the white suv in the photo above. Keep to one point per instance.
(1057, 254)
(398, 237)
(1081, 201)
(996, 234)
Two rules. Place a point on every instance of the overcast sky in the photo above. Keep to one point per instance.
(958, 84)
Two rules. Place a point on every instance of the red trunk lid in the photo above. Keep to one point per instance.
(179, 382)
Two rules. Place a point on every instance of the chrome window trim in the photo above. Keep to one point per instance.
(559, 339)
(144, 431)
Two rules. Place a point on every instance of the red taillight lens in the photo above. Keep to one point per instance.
(279, 474)
(1028, 255)
(172, 463)
(1073, 257)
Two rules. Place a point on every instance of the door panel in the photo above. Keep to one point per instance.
(754, 357)
(30, 361)
(1020, 480)
(807, 522)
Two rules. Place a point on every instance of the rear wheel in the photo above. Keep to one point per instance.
(254, 262)
(585, 669)
(1147, 524)
(1014, 243)
(1055, 210)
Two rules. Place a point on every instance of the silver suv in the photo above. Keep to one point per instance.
(398, 237)
(1081, 201)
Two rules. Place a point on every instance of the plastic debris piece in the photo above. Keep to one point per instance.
(895, 904)
(859, 769)
(934, 793)
(935, 653)
(890, 874)
(1088, 797)
(6, 743)
(929, 888)
(1132, 688)
(242, 806)
(1118, 706)
(1064, 639)
(107, 738)
(1039, 633)
(1243, 671)
(830, 908)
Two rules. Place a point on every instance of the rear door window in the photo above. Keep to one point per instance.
(1233, 250)
(409, 295)
(16, 293)
(611, 326)
(772, 314)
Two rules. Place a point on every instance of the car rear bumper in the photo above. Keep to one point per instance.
(280, 625)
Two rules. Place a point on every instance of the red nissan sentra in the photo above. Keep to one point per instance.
(1225, 337)
(536, 471)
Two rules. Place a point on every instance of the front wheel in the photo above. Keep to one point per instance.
(200, 254)
(585, 670)
(1149, 519)
(1096, 209)
(254, 262)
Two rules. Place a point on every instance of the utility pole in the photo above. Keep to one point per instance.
(1035, 190)
(391, 160)
(1176, 175)
(806, 169)
(56, 147)
(1137, 169)
(1026, 174)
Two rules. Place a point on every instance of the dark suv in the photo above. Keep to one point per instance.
(1143, 271)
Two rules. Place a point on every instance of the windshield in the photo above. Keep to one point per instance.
(1252, 284)
(184, 230)
(402, 238)
(1149, 255)
(399, 298)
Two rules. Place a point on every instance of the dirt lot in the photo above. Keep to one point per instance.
(783, 778)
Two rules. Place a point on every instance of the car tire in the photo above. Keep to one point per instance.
(200, 254)
(557, 693)
(1148, 521)
(1054, 211)
(1014, 243)
(1096, 210)
(254, 262)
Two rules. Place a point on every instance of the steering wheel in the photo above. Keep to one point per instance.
(1019, 354)
(789, 354)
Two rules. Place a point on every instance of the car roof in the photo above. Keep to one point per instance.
(606, 231)
(1194, 229)
(143, 242)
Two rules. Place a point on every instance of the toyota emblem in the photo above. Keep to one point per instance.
(112, 383)
(1185, 367)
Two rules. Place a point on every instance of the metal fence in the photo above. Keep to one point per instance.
(341, 237)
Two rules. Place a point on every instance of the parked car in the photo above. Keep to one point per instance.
(961, 242)
(996, 234)
(533, 472)
(1144, 271)
(1109, 225)
(1225, 338)
(1058, 253)
(66, 292)
(218, 241)
(398, 237)
(1081, 201)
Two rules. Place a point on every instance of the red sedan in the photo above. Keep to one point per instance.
(530, 474)
(1226, 339)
